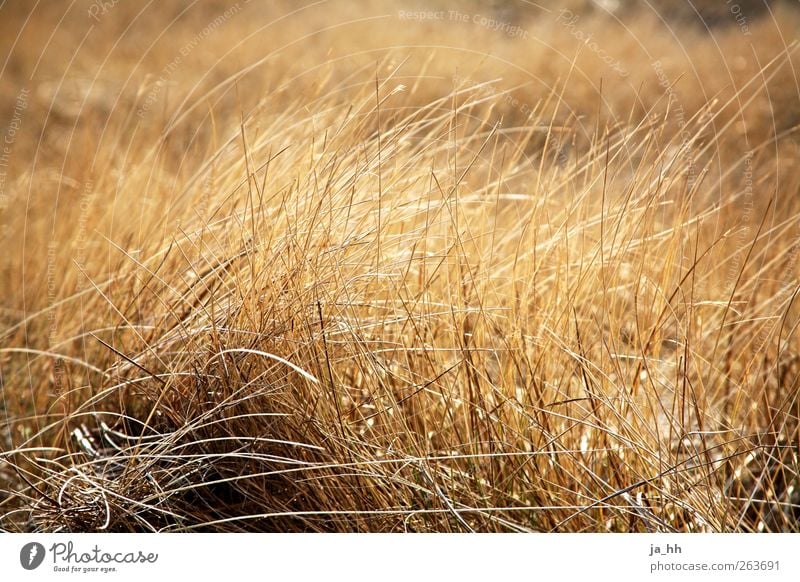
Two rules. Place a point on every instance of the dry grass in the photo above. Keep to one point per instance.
(345, 271)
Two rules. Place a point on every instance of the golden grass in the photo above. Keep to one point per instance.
(347, 271)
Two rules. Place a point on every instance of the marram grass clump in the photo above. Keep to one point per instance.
(395, 307)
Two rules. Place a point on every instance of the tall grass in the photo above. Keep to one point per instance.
(383, 296)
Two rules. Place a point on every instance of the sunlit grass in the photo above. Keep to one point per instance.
(398, 301)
